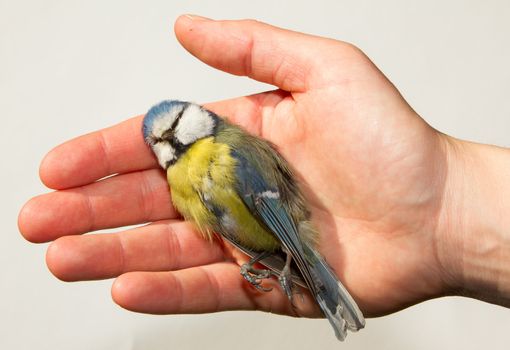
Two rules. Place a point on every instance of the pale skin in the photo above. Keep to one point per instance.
(405, 213)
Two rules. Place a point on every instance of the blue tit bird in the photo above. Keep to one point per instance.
(232, 183)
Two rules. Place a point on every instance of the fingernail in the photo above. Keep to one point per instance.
(196, 17)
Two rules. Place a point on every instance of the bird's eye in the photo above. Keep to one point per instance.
(167, 135)
(153, 140)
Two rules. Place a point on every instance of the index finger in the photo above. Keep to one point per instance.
(117, 149)
(121, 148)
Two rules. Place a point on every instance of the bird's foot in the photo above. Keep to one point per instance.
(255, 276)
(285, 279)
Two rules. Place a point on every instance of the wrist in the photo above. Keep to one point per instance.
(474, 225)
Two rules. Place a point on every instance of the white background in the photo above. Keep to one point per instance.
(67, 68)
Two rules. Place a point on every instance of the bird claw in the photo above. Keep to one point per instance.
(255, 276)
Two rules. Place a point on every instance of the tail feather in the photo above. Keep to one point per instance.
(337, 322)
(333, 298)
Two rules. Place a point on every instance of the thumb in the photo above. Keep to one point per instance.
(289, 60)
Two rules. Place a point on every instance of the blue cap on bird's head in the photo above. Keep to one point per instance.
(171, 126)
(159, 111)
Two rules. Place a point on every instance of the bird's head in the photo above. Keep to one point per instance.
(170, 127)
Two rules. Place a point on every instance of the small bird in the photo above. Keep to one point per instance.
(232, 183)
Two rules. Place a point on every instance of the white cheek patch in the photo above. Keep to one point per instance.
(164, 152)
(195, 123)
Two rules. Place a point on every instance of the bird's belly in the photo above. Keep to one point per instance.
(203, 190)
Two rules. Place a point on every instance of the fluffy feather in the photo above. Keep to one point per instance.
(236, 184)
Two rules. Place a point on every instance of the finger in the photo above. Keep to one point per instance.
(121, 149)
(166, 245)
(265, 53)
(209, 288)
(117, 149)
(115, 201)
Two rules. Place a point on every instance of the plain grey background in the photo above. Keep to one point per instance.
(67, 68)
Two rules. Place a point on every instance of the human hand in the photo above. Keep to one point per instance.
(377, 178)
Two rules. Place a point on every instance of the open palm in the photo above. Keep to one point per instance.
(372, 170)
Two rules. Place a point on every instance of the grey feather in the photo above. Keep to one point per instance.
(331, 296)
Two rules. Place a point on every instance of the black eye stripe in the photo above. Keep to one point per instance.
(178, 118)
(169, 134)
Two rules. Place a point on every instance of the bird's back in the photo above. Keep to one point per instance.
(259, 158)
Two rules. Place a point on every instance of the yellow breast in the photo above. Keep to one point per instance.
(205, 172)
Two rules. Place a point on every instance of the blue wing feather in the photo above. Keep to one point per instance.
(253, 189)
(264, 201)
